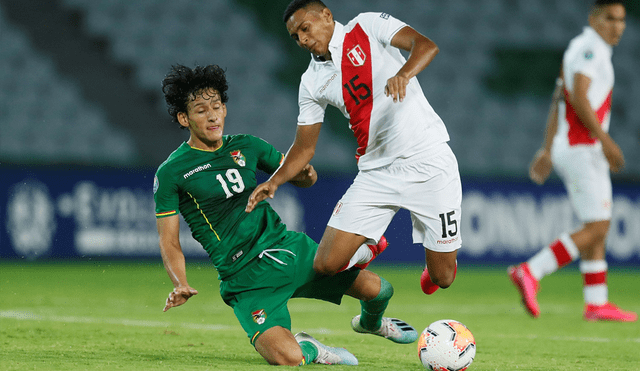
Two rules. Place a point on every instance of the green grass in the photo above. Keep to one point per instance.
(108, 316)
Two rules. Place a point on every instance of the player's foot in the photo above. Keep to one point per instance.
(376, 250)
(427, 286)
(328, 355)
(608, 312)
(392, 328)
(527, 285)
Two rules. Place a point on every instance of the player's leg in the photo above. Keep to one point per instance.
(278, 346)
(359, 218)
(335, 250)
(589, 189)
(440, 271)
(433, 196)
(591, 241)
(374, 293)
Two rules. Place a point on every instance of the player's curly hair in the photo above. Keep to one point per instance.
(182, 84)
(296, 5)
(609, 2)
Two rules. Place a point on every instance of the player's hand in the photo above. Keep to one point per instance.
(540, 167)
(396, 87)
(179, 296)
(613, 153)
(306, 177)
(261, 193)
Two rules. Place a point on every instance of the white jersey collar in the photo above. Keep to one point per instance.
(335, 44)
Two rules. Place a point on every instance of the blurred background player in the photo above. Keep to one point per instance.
(404, 160)
(583, 153)
(261, 265)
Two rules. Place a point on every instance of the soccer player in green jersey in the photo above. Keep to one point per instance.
(260, 264)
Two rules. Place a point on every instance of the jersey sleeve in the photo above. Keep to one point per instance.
(269, 158)
(381, 26)
(311, 110)
(165, 195)
(587, 62)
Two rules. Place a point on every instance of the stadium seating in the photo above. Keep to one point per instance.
(44, 117)
(491, 133)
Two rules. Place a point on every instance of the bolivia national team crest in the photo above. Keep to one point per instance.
(259, 316)
(357, 56)
(239, 158)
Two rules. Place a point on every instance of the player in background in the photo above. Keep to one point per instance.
(578, 146)
(260, 264)
(404, 160)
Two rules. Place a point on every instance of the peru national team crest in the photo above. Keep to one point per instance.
(239, 158)
(357, 56)
(259, 316)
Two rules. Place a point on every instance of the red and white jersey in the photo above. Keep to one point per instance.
(354, 81)
(589, 55)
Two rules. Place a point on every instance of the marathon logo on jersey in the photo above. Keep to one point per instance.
(385, 15)
(197, 170)
(259, 316)
(357, 56)
(239, 158)
(156, 184)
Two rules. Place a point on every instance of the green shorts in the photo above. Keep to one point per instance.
(259, 292)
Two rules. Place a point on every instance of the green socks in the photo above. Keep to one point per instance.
(372, 310)
(309, 352)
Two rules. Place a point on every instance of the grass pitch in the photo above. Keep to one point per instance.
(97, 315)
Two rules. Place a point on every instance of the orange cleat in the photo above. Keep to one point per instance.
(608, 312)
(528, 287)
(376, 250)
(427, 286)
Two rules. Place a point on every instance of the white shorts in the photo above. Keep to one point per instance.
(585, 173)
(428, 185)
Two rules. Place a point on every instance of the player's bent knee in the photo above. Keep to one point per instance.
(279, 348)
(324, 268)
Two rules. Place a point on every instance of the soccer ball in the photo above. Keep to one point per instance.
(446, 345)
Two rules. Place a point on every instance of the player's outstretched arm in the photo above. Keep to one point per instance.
(295, 161)
(422, 51)
(173, 259)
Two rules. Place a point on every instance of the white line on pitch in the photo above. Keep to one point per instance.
(28, 316)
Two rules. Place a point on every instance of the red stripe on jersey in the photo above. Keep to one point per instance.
(357, 84)
(590, 279)
(562, 255)
(578, 133)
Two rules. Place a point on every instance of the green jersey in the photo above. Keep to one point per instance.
(211, 189)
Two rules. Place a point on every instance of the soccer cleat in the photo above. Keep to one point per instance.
(392, 328)
(328, 355)
(427, 286)
(376, 250)
(527, 285)
(608, 312)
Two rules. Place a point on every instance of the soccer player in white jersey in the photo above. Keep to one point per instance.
(578, 145)
(404, 160)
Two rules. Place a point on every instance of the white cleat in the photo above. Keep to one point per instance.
(328, 355)
(393, 329)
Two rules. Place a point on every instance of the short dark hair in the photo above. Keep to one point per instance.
(296, 5)
(599, 3)
(182, 84)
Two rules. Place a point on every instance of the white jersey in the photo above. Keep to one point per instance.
(354, 80)
(589, 55)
